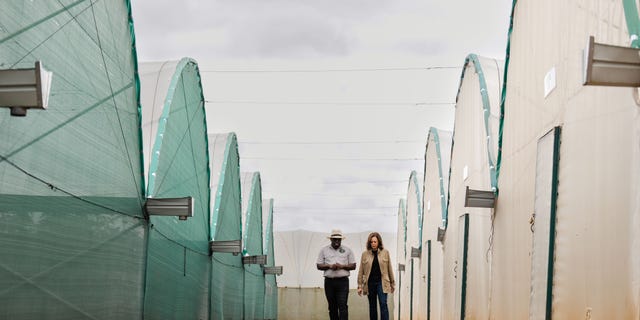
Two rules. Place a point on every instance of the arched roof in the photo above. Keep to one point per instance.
(414, 213)
(165, 88)
(490, 104)
(226, 208)
(442, 149)
(251, 213)
(254, 284)
(175, 148)
(226, 225)
(402, 230)
(271, 286)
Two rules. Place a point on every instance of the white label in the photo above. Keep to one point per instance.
(549, 81)
(428, 205)
(465, 173)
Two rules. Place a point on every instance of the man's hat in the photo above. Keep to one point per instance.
(336, 234)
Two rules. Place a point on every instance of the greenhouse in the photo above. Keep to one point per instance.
(254, 280)
(401, 297)
(566, 226)
(434, 204)
(407, 291)
(473, 157)
(270, 281)
(72, 227)
(176, 165)
(227, 273)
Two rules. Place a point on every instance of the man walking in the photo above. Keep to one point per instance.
(336, 261)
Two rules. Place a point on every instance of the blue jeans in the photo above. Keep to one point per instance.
(337, 292)
(376, 293)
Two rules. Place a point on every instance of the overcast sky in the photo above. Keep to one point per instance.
(331, 100)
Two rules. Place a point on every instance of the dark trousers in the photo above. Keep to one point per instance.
(337, 292)
(376, 293)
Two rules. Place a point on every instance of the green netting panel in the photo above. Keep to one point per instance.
(252, 244)
(270, 284)
(72, 233)
(227, 277)
(177, 280)
(178, 265)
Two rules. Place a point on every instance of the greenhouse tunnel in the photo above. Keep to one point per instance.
(569, 154)
(72, 228)
(402, 294)
(176, 165)
(227, 272)
(270, 282)
(254, 284)
(434, 204)
(472, 165)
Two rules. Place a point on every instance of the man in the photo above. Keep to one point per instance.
(336, 261)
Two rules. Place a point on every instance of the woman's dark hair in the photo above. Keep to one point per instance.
(377, 235)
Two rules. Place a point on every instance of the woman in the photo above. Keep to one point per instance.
(375, 276)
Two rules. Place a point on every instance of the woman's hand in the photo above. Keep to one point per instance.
(359, 291)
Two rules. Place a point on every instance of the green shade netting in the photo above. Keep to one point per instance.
(227, 273)
(71, 227)
(252, 244)
(178, 265)
(270, 284)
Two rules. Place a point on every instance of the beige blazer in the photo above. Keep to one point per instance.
(388, 281)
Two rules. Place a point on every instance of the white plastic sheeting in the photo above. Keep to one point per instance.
(409, 212)
(472, 165)
(402, 285)
(157, 86)
(435, 186)
(595, 265)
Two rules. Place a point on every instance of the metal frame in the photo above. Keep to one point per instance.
(608, 65)
(180, 207)
(22, 89)
(259, 259)
(479, 198)
(226, 246)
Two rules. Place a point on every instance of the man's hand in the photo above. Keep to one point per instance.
(336, 266)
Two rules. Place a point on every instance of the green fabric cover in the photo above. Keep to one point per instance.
(178, 265)
(72, 232)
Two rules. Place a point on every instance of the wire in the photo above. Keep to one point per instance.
(379, 214)
(337, 159)
(341, 195)
(322, 209)
(330, 142)
(414, 104)
(270, 183)
(364, 181)
(331, 70)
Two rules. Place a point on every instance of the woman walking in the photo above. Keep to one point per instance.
(375, 276)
